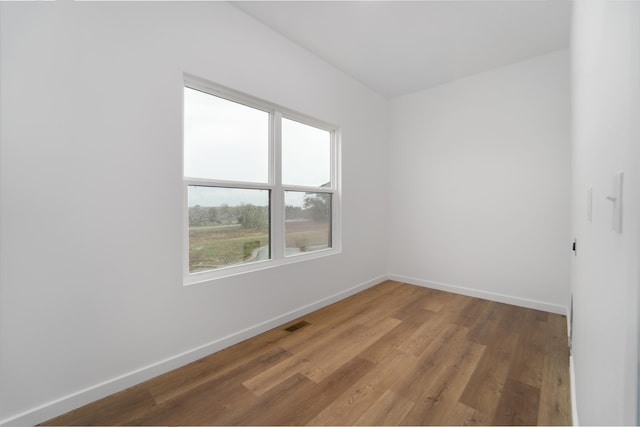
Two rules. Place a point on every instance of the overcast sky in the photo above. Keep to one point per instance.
(225, 140)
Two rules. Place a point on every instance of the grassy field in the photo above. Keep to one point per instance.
(307, 234)
(215, 247)
(211, 248)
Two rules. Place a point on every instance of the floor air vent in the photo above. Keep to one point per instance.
(297, 326)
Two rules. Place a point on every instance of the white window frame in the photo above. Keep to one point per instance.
(274, 185)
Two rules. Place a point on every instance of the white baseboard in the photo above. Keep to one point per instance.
(114, 385)
(491, 296)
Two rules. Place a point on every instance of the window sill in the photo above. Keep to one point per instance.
(236, 270)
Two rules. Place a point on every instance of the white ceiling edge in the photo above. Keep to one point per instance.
(400, 47)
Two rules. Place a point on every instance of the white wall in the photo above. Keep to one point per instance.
(91, 213)
(606, 139)
(480, 185)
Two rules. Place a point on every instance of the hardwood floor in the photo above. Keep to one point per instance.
(395, 354)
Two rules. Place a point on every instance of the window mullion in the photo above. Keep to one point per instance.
(277, 197)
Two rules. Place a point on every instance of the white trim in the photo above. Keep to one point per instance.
(203, 85)
(230, 94)
(203, 182)
(277, 238)
(235, 270)
(507, 299)
(336, 183)
(303, 189)
(114, 385)
(574, 401)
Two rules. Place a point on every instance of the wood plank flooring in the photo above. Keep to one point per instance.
(395, 354)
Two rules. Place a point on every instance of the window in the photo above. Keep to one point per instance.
(261, 184)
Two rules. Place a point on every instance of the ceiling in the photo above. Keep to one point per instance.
(399, 47)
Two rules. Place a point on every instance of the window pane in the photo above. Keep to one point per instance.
(224, 140)
(307, 221)
(227, 226)
(306, 155)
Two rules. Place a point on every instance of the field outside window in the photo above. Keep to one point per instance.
(308, 222)
(259, 186)
(227, 226)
